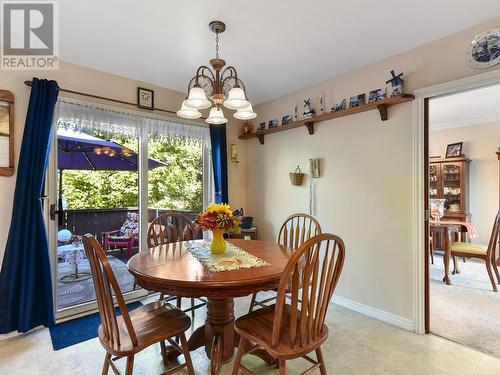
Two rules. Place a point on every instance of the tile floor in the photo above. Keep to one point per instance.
(357, 345)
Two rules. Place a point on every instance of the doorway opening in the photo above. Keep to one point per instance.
(462, 139)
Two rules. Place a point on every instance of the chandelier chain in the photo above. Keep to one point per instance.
(216, 45)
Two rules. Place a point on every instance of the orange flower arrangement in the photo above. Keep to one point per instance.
(219, 219)
(219, 216)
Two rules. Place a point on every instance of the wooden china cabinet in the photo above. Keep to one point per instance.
(449, 179)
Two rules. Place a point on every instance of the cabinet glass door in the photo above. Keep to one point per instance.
(433, 181)
(452, 189)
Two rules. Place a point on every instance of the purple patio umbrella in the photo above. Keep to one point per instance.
(80, 151)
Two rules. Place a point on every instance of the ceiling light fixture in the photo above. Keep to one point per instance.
(219, 84)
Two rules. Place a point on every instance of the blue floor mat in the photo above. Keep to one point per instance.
(78, 330)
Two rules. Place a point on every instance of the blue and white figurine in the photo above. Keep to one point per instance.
(308, 111)
(396, 83)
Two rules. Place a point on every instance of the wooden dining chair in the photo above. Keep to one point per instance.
(285, 331)
(122, 336)
(174, 227)
(296, 229)
(484, 252)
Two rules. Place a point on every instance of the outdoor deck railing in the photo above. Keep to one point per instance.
(97, 221)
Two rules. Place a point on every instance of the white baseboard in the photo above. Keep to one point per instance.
(6, 336)
(13, 334)
(373, 312)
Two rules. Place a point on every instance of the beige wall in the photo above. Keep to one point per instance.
(365, 192)
(480, 145)
(79, 78)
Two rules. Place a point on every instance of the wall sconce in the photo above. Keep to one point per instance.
(233, 153)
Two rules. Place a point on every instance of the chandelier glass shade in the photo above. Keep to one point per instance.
(245, 113)
(236, 99)
(216, 86)
(197, 98)
(216, 116)
(188, 112)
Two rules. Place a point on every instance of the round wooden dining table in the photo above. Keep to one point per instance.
(173, 270)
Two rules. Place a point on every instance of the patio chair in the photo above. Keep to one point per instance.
(125, 237)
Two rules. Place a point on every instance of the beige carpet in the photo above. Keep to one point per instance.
(468, 311)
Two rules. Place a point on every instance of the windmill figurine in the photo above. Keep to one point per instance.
(308, 111)
(396, 83)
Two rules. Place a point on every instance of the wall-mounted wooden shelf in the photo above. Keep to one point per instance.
(381, 105)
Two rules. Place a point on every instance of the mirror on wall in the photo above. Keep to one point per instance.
(6, 133)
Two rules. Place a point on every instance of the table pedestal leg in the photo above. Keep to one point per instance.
(219, 331)
(218, 336)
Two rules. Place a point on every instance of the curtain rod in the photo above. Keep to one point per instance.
(30, 83)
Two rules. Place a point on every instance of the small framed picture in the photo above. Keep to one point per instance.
(339, 106)
(145, 98)
(454, 150)
(272, 124)
(376, 95)
(262, 126)
(286, 120)
(357, 100)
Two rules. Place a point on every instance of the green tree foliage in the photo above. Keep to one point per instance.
(177, 186)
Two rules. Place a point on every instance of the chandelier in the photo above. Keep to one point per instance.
(222, 86)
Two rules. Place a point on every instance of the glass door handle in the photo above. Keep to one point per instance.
(53, 212)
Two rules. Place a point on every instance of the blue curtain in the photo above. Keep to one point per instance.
(219, 161)
(25, 278)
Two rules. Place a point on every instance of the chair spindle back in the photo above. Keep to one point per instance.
(297, 229)
(313, 272)
(170, 227)
(106, 285)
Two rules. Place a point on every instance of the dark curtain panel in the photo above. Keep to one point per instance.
(219, 161)
(25, 278)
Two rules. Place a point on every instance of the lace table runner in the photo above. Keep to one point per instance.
(234, 258)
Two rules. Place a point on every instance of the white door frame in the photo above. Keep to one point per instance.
(418, 240)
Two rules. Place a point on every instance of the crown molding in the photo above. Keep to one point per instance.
(465, 123)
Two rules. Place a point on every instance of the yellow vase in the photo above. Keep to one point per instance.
(218, 245)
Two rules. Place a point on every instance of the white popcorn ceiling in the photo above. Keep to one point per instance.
(276, 46)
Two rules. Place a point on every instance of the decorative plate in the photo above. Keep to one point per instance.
(484, 50)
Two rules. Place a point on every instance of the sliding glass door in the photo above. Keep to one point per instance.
(111, 173)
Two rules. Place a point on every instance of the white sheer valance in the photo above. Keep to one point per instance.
(110, 120)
